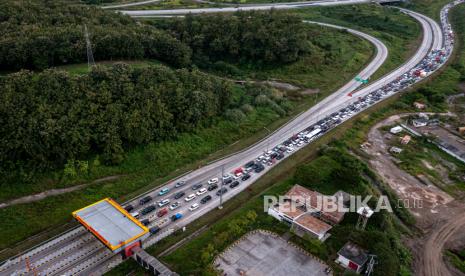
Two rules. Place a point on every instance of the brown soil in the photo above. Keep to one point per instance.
(440, 217)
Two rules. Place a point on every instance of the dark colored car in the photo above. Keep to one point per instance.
(145, 222)
(245, 177)
(249, 164)
(129, 208)
(147, 210)
(154, 230)
(280, 156)
(206, 199)
(228, 180)
(212, 187)
(259, 168)
(179, 195)
(273, 155)
(221, 191)
(145, 200)
(197, 186)
(234, 184)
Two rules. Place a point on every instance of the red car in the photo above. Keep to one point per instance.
(162, 212)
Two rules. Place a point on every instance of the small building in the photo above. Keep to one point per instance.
(395, 150)
(308, 224)
(396, 129)
(405, 140)
(461, 130)
(420, 122)
(352, 256)
(419, 105)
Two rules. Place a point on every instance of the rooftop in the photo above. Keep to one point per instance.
(110, 223)
(354, 253)
(313, 224)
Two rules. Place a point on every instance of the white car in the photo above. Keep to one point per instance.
(175, 205)
(201, 191)
(163, 202)
(194, 206)
(134, 214)
(213, 181)
(190, 197)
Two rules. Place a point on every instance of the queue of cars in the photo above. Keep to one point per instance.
(430, 63)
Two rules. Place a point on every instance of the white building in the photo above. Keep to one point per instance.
(396, 129)
(352, 257)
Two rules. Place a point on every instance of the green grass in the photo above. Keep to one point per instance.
(82, 68)
(457, 259)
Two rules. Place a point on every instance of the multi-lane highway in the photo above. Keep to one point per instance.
(77, 252)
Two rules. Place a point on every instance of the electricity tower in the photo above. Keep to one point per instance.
(90, 55)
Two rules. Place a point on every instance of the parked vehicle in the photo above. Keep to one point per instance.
(212, 187)
(148, 209)
(176, 216)
(163, 191)
(197, 186)
(145, 200)
(154, 230)
(179, 195)
(206, 199)
(221, 191)
(201, 191)
(234, 184)
(129, 208)
(163, 202)
(190, 197)
(175, 205)
(162, 212)
(180, 184)
(245, 177)
(194, 207)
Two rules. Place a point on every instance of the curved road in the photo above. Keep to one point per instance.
(76, 252)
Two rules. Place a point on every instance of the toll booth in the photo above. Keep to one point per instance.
(113, 226)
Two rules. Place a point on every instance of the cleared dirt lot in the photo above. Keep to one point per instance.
(440, 216)
(262, 253)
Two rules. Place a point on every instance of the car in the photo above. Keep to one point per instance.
(227, 181)
(221, 191)
(259, 168)
(175, 217)
(280, 156)
(197, 186)
(245, 177)
(206, 199)
(190, 197)
(234, 184)
(135, 214)
(129, 208)
(212, 187)
(213, 181)
(162, 212)
(145, 222)
(163, 202)
(175, 205)
(201, 191)
(147, 210)
(145, 200)
(180, 184)
(249, 164)
(194, 207)
(154, 230)
(163, 191)
(179, 195)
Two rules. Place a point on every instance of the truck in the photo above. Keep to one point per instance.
(176, 216)
(313, 133)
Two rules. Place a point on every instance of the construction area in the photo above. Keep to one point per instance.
(265, 253)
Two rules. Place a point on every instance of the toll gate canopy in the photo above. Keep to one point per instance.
(111, 224)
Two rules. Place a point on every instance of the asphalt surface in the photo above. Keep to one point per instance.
(83, 251)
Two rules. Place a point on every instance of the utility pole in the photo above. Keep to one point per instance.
(90, 55)
(221, 189)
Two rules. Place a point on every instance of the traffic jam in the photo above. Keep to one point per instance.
(164, 210)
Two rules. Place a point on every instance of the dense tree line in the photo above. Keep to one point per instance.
(50, 117)
(38, 34)
(270, 37)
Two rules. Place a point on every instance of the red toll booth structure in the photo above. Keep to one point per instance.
(113, 226)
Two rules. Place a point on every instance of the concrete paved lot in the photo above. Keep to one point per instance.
(261, 253)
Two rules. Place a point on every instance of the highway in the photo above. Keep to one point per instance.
(78, 253)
